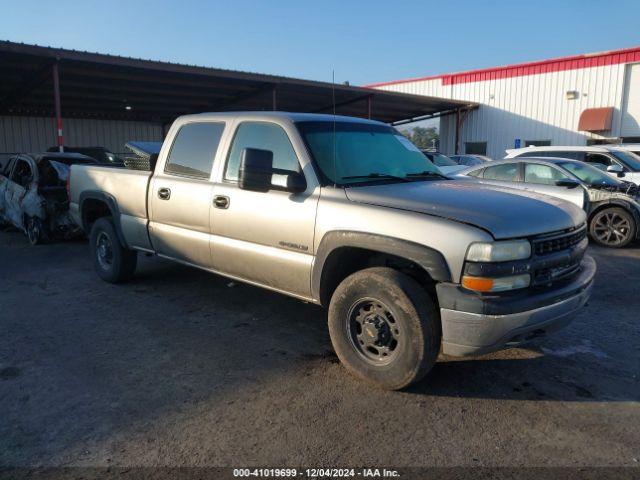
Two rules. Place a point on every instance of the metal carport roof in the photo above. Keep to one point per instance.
(93, 85)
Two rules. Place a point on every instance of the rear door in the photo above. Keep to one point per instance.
(181, 193)
(266, 238)
(542, 178)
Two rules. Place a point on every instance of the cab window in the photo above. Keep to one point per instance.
(598, 160)
(264, 136)
(507, 172)
(194, 149)
(542, 174)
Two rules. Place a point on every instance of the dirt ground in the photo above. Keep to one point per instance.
(183, 368)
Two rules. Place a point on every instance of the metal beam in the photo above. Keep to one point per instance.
(343, 103)
(27, 86)
(243, 97)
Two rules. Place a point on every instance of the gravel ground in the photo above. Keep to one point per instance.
(183, 368)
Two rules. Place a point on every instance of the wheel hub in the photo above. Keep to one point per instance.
(104, 251)
(373, 331)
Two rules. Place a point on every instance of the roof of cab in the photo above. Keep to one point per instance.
(273, 115)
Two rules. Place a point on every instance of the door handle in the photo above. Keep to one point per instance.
(220, 201)
(164, 194)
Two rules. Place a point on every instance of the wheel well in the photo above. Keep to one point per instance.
(605, 206)
(92, 210)
(344, 261)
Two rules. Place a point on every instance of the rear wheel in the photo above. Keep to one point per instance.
(113, 262)
(613, 227)
(384, 327)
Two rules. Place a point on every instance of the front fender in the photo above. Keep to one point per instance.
(431, 260)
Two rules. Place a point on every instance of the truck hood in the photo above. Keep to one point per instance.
(504, 212)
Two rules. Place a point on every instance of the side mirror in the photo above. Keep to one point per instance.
(568, 183)
(296, 182)
(256, 170)
(617, 169)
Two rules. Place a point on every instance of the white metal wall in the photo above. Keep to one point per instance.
(36, 134)
(530, 107)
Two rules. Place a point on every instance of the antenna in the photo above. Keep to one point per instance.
(333, 101)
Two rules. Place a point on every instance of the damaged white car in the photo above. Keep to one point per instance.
(33, 194)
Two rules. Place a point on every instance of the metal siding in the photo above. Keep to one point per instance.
(529, 107)
(34, 134)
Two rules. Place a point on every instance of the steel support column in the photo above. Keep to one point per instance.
(56, 101)
(274, 99)
(369, 100)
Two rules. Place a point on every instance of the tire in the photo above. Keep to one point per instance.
(113, 262)
(612, 227)
(34, 229)
(376, 304)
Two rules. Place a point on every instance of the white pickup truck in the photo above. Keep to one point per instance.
(348, 214)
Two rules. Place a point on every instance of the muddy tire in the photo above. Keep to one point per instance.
(612, 227)
(34, 229)
(113, 262)
(384, 327)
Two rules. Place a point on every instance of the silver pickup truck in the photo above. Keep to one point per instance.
(348, 214)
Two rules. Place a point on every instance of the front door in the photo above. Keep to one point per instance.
(266, 238)
(180, 195)
(19, 181)
(542, 179)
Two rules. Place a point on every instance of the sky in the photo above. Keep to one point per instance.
(362, 41)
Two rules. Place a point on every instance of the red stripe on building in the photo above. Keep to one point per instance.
(575, 62)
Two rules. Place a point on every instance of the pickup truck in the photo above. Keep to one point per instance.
(348, 214)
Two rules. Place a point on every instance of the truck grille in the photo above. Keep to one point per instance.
(545, 246)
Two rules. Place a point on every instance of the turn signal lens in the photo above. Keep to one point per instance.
(477, 283)
(481, 284)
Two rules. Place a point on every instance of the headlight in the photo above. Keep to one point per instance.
(501, 284)
(499, 251)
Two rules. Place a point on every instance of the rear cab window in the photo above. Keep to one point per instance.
(194, 149)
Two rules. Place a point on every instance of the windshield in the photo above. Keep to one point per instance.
(441, 160)
(631, 160)
(588, 174)
(377, 153)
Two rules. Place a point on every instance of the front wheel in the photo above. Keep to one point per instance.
(384, 327)
(113, 262)
(612, 227)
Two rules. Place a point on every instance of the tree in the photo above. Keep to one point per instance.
(423, 137)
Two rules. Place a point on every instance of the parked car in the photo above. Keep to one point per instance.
(348, 214)
(612, 205)
(33, 194)
(101, 154)
(444, 163)
(470, 160)
(616, 161)
(631, 147)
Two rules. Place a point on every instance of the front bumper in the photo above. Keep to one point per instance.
(473, 324)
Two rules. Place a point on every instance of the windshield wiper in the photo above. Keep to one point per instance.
(427, 173)
(375, 175)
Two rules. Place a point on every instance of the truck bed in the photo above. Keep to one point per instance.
(127, 188)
